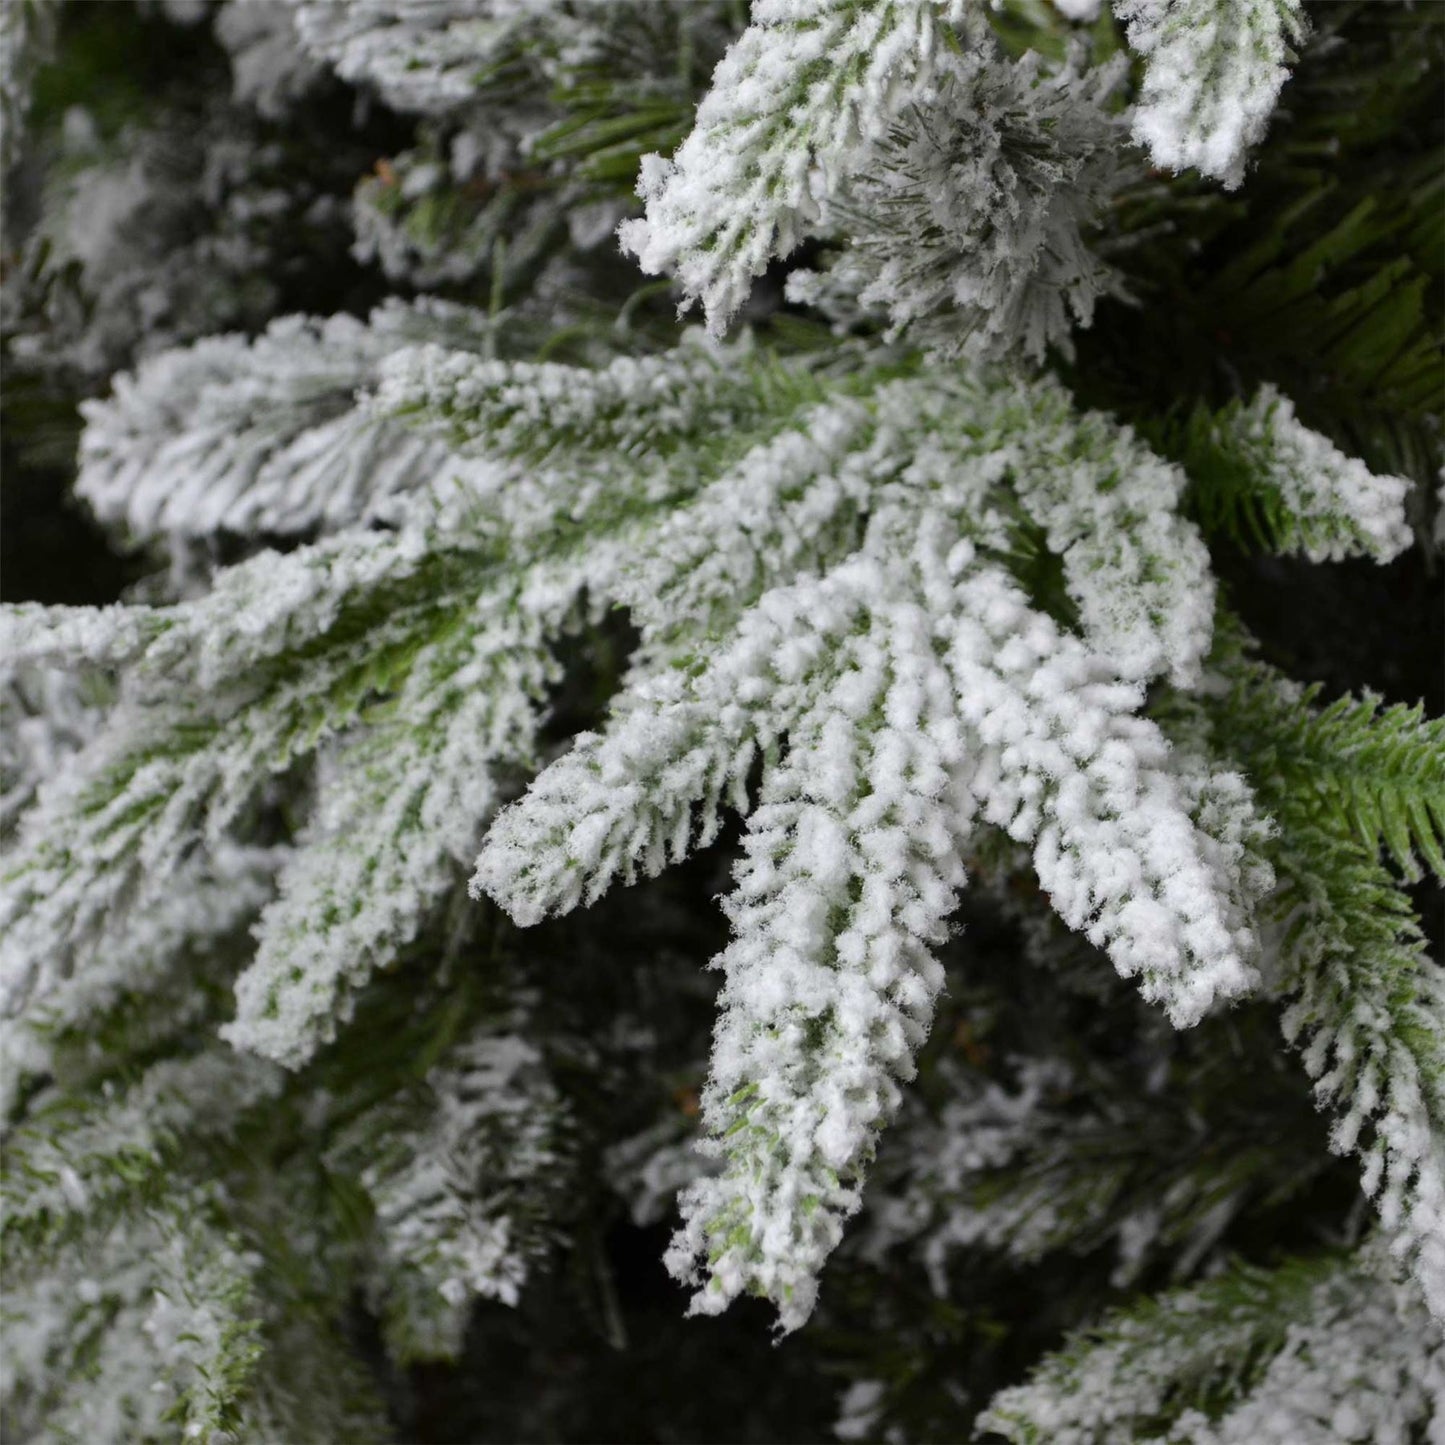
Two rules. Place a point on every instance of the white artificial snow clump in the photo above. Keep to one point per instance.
(1138, 571)
(1213, 72)
(850, 868)
(1069, 769)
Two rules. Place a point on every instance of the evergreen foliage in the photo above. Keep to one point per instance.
(1077, 1051)
(1312, 1351)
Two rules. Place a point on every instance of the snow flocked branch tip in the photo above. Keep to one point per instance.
(792, 108)
(466, 1175)
(724, 528)
(1212, 74)
(264, 436)
(850, 868)
(897, 738)
(1257, 465)
(424, 57)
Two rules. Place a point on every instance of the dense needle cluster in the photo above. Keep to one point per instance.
(868, 568)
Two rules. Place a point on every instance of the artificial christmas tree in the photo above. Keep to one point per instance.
(1077, 1051)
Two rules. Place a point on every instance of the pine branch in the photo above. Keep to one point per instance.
(965, 225)
(896, 619)
(1279, 1355)
(78, 1158)
(466, 1178)
(1261, 476)
(756, 568)
(1366, 1005)
(263, 437)
(1356, 766)
(790, 106)
(1214, 72)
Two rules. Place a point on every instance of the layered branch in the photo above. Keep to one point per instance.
(792, 106)
(1310, 1353)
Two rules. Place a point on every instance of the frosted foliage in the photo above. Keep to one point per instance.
(1362, 1369)
(888, 605)
(442, 213)
(793, 107)
(422, 55)
(1364, 1002)
(622, 804)
(259, 436)
(1339, 1353)
(66, 1162)
(113, 877)
(399, 813)
(71, 991)
(981, 1127)
(1323, 503)
(600, 813)
(152, 237)
(1067, 768)
(461, 1193)
(848, 881)
(1138, 571)
(792, 505)
(483, 197)
(148, 1318)
(806, 563)
(966, 223)
(1213, 72)
(627, 801)
(46, 715)
(251, 613)
(850, 868)
(1232, 831)
(632, 408)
